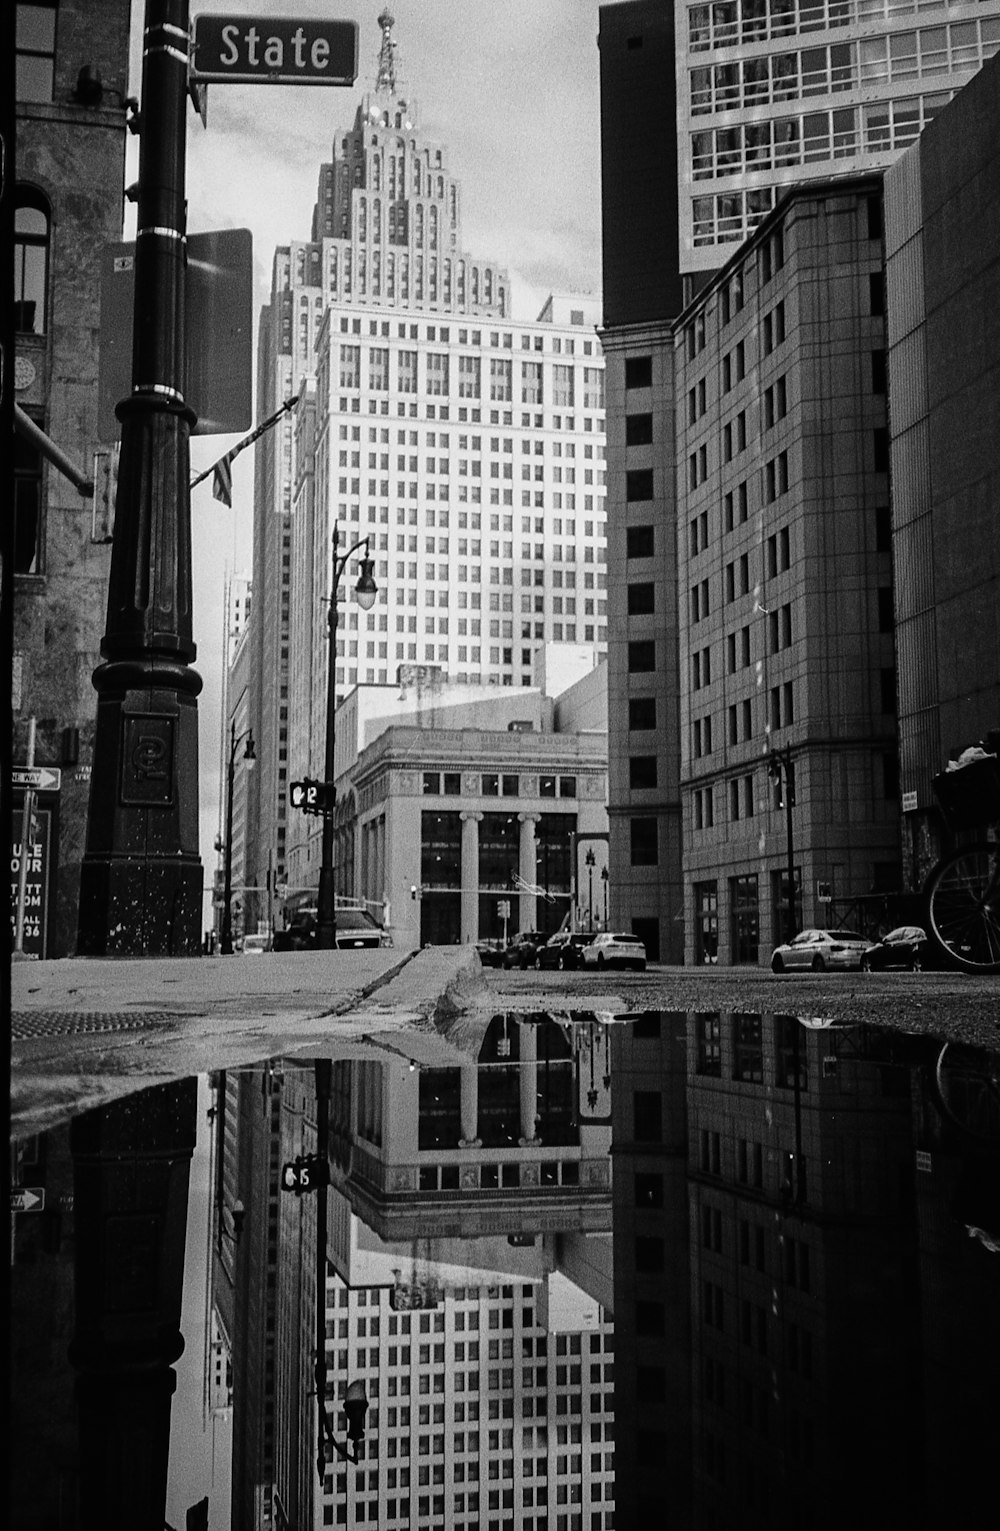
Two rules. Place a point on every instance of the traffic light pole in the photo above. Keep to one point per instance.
(141, 878)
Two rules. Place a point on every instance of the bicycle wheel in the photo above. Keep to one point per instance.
(963, 908)
(967, 1089)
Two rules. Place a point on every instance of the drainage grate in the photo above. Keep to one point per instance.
(27, 1024)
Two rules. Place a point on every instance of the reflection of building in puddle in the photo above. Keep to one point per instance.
(507, 1132)
(766, 1273)
(486, 1362)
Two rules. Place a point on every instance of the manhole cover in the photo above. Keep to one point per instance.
(28, 1024)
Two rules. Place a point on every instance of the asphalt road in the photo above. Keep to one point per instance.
(85, 1031)
(957, 1006)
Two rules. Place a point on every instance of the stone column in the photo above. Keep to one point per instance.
(528, 1053)
(469, 1084)
(527, 869)
(470, 876)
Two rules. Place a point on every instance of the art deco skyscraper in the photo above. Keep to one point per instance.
(383, 317)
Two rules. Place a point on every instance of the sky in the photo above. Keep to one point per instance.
(510, 87)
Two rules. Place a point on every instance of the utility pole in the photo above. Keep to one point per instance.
(141, 878)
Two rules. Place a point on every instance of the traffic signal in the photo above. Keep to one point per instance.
(307, 1172)
(311, 796)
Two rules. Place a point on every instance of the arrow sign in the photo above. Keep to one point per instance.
(42, 778)
(256, 50)
(27, 1198)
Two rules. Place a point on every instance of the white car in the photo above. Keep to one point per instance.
(615, 949)
(255, 943)
(819, 950)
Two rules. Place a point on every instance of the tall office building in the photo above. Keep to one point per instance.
(765, 101)
(752, 96)
(465, 447)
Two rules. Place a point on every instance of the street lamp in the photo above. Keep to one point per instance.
(365, 592)
(781, 771)
(604, 879)
(249, 760)
(591, 861)
(355, 1400)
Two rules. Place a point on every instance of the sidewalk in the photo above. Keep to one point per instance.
(88, 1030)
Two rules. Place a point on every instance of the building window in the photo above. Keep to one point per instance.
(745, 918)
(378, 369)
(638, 371)
(531, 382)
(31, 261)
(593, 388)
(641, 713)
(640, 599)
(638, 430)
(468, 377)
(641, 772)
(643, 842)
(706, 938)
(562, 386)
(350, 366)
(437, 372)
(27, 506)
(639, 542)
(641, 655)
(35, 42)
(639, 484)
(407, 364)
(500, 379)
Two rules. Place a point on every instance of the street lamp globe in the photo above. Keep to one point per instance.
(249, 753)
(366, 590)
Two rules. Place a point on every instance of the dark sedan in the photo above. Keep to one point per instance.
(520, 952)
(562, 951)
(905, 947)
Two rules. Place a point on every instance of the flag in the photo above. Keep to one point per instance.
(222, 481)
(222, 471)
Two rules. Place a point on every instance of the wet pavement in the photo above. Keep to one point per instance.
(716, 1241)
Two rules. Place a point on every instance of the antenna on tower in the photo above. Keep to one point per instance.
(385, 78)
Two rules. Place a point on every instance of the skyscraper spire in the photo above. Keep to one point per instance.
(385, 79)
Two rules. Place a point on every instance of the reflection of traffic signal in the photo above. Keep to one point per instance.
(306, 1173)
(311, 796)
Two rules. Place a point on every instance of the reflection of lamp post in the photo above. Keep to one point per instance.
(355, 1400)
(249, 760)
(782, 772)
(237, 1213)
(604, 879)
(591, 861)
(365, 592)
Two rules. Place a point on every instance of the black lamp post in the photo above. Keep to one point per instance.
(365, 592)
(355, 1401)
(249, 760)
(141, 876)
(604, 879)
(781, 771)
(591, 861)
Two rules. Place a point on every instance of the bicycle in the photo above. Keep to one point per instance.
(963, 890)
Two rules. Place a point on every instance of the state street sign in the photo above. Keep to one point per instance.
(256, 50)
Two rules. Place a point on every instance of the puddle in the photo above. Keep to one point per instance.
(580, 1267)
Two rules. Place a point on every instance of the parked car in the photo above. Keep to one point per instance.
(354, 928)
(905, 947)
(490, 953)
(253, 944)
(520, 952)
(563, 950)
(614, 949)
(820, 949)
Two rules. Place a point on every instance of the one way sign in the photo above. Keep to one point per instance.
(27, 1198)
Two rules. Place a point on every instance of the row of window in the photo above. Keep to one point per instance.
(755, 81)
(444, 373)
(441, 333)
(802, 139)
(729, 22)
(491, 784)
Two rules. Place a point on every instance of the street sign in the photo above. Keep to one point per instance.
(37, 884)
(27, 1198)
(254, 50)
(218, 326)
(311, 796)
(307, 1173)
(42, 778)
